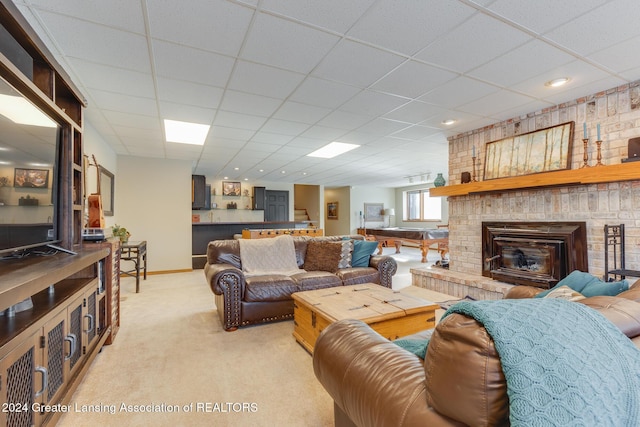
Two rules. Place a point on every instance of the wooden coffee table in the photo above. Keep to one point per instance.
(392, 314)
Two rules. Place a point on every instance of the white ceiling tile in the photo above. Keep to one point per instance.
(112, 79)
(543, 15)
(373, 103)
(122, 14)
(579, 73)
(264, 80)
(382, 126)
(189, 93)
(495, 103)
(284, 127)
(413, 79)
(137, 65)
(183, 63)
(323, 92)
(239, 121)
(473, 43)
(414, 112)
(356, 64)
(213, 25)
(242, 135)
(612, 23)
(257, 105)
(345, 120)
(327, 134)
(126, 49)
(323, 13)
(521, 64)
(131, 120)
(186, 113)
(589, 87)
(271, 138)
(415, 132)
(410, 26)
(285, 44)
(618, 57)
(124, 103)
(296, 112)
(457, 91)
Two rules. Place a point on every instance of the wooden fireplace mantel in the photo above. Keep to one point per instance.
(591, 175)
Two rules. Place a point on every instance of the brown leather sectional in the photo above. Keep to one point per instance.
(244, 300)
(374, 382)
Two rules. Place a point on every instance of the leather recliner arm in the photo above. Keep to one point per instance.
(227, 281)
(373, 381)
(386, 266)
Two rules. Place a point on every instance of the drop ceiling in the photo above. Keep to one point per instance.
(279, 79)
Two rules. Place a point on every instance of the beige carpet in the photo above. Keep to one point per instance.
(171, 350)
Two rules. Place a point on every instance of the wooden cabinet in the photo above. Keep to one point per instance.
(45, 350)
(198, 190)
(110, 278)
(259, 198)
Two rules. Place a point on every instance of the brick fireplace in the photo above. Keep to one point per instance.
(597, 204)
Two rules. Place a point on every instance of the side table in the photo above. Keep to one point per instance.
(137, 253)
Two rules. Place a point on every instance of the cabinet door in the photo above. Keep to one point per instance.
(75, 321)
(89, 319)
(23, 382)
(198, 188)
(259, 198)
(58, 345)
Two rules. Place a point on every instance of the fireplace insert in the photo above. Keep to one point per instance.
(533, 253)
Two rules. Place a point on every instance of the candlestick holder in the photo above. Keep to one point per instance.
(585, 158)
(599, 145)
(473, 174)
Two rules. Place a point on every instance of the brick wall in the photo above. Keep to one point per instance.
(618, 112)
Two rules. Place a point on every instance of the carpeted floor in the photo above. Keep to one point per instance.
(173, 359)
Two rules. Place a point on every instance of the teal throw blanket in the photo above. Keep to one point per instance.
(565, 364)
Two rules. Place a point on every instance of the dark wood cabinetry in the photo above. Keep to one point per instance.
(259, 198)
(198, 191)
(45, 350)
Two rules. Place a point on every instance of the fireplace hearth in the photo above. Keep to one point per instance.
(533, 253)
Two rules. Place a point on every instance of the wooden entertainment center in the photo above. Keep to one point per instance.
(46, 349)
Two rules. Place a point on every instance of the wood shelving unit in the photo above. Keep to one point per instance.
(591, 175)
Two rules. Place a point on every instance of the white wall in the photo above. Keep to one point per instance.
(153, 202)
(94, 144)
(362, 195)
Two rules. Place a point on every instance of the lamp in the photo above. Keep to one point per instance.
(387, 214)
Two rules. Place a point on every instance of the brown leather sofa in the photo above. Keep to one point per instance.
(244, 300)
(374, 382)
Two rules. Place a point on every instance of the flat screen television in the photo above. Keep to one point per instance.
(29, 174)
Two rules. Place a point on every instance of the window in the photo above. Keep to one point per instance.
(421, 207)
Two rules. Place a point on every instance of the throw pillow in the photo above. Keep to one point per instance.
(328, 256)
(588, 285)
(362, 251)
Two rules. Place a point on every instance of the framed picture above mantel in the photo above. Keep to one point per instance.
(544, 150)
(231, 188)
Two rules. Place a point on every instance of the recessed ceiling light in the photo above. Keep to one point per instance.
(557, 82)
(283, 172)
(236, 169)
(260, 170)
(185, 132)
(333, 149)
(21, 111)
(448, 122)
